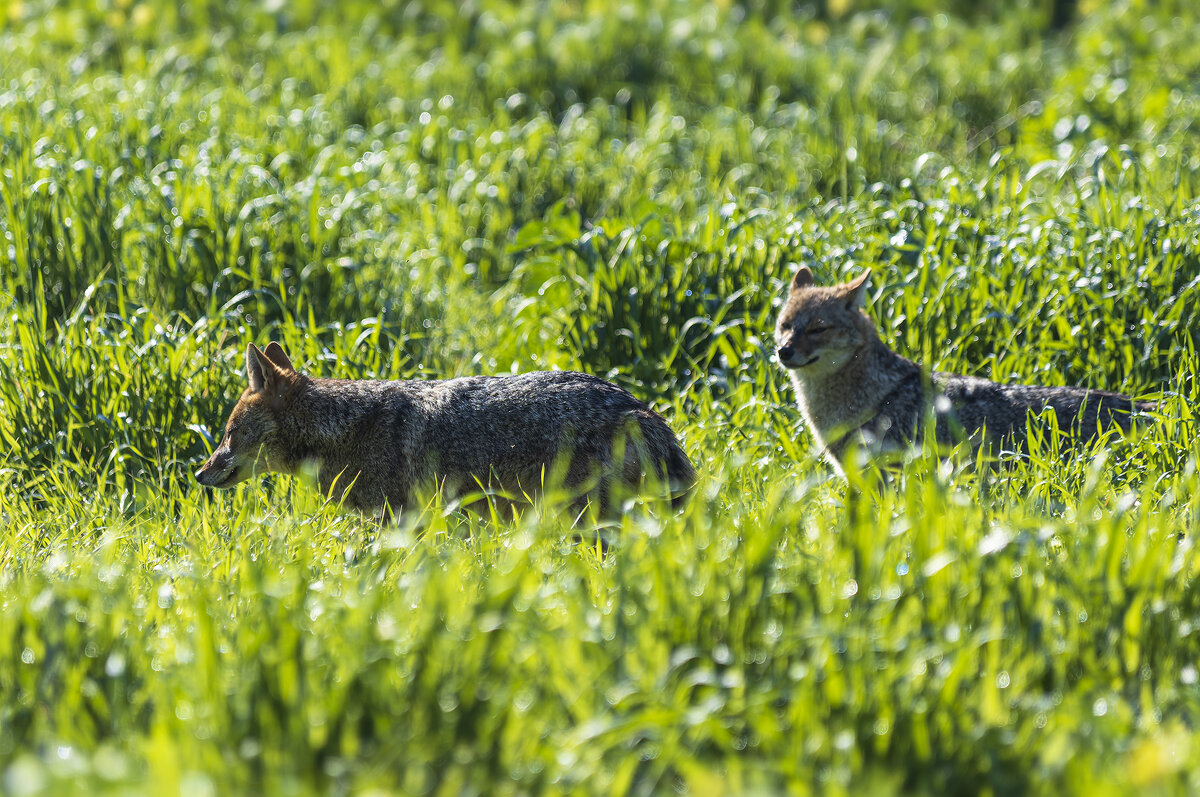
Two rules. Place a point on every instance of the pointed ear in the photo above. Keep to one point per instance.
(276, 354)
(856, 289)
(259, 370)
(802, 279)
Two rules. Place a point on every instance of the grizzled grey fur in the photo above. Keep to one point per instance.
(376, 443)
(855, 392)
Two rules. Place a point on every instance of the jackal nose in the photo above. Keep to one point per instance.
(205, 475)
(785, 353)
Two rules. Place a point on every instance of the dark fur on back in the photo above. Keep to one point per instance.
(981, 411)
(376, 442)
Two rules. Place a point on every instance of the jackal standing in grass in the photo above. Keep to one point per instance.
(855, 393)
(375, 443)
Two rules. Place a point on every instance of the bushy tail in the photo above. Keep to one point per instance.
(670, 461)
(1127, 412)
(681, 476)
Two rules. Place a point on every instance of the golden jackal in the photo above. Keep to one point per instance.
(855, 392)
(375, 442)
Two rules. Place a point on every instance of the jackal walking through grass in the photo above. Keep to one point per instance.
(375, 443)
(855, 393)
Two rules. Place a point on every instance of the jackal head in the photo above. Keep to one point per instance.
(250, 444)
(821, 328)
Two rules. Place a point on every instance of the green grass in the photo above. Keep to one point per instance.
(427, 190)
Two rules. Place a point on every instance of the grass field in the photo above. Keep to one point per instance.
(432, 189)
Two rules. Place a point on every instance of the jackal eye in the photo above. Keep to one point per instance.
(816, 329)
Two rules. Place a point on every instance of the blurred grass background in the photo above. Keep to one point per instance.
(431, 189)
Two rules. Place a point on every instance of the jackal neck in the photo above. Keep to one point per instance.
(326, 417)
(844, 399)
